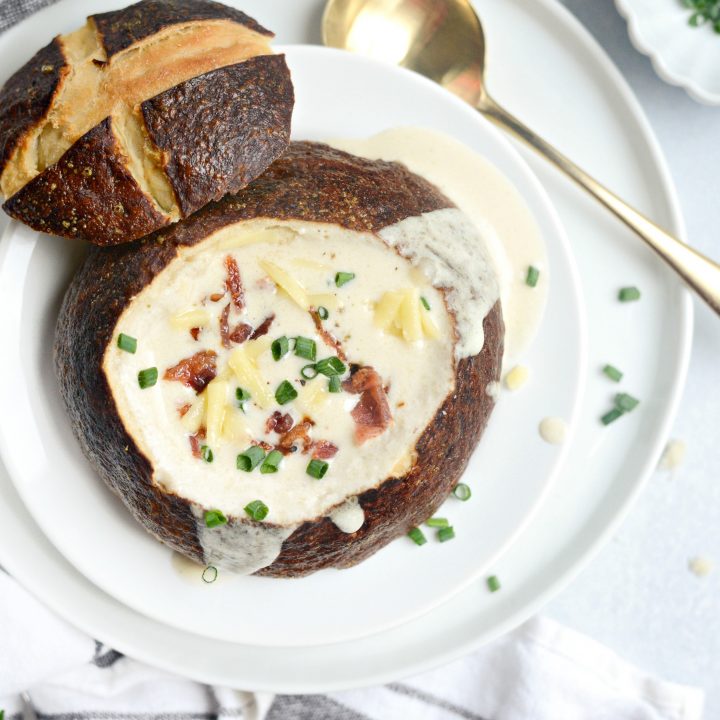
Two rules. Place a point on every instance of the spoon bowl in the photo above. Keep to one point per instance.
(444, 40)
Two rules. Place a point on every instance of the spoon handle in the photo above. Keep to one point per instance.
(698, 271)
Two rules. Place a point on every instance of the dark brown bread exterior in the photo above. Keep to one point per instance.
(216, 131)
(90, 310)
(312, 182)
(318, 183)
(26, 97)
(219, 129)
(119, 29)
(201, 123)
(89, 193)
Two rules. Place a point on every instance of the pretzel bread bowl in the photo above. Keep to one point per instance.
(140, 118)
(295, 375)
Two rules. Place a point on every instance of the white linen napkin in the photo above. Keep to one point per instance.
(541, 671)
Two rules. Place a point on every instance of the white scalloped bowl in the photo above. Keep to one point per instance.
(681, 55)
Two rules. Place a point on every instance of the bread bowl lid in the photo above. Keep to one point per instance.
(200, 113)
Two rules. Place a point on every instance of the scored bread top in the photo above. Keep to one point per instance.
(236, 117)
(84, 83)
(122, 65)
(119, 29)
(248, 101)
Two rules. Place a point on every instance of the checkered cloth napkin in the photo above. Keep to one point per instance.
(540, 671)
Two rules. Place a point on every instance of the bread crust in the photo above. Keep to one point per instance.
(91, 194)
(317, 183)
(225, 117)
(120, 29)
(313, 183)
(199, 124)
(27, 96)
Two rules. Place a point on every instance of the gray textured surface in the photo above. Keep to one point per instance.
(12, 11)
(638, 596)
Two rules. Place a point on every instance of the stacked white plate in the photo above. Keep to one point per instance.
(537, 511)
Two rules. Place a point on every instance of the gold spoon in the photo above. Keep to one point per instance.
(444, 40)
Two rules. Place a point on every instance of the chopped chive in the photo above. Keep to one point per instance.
(493, 583)
(148, 377)
(242, 396)
(280, 348)
(210, 574)
(271, 462)
(206, 453)
(317, 468)
(334, 385)
(285, 393)
(626, 402)
(305, 348)
(214, 518)
(331, 366)
(127, 343)
(250, 459)
(628, 294)
(437, 522)
(462, 492)
(417, 536)
(532, 276)
(446, 533)
(613, 373)
(323, 312)
(309, 372)
(257, 510)
(611, 416)
(425, 303)
(342, 278)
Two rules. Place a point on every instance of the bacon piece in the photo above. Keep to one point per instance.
(183, 410)
(239, 334)
(195, 332)
(372, 414)
(328, 338)
(233, 283)
(364, 378)
(195, 371)
(300, 434)
(215, 297)
(324, 450)
(266, 446)
(196, 442)
(263, 328)
(279, 423)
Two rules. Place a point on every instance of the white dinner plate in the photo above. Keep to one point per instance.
(587, 109)
(72, 505)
